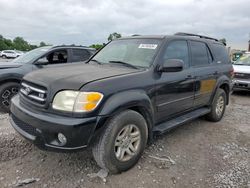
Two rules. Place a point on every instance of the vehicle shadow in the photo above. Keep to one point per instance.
(241, 93)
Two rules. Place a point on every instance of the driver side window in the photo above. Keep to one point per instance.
(55, 57)
(177, 50)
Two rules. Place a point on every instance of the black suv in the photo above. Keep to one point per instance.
(12, 72)
(132, 89)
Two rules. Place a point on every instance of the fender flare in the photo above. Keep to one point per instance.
(220, 82)
(132, 99)
(11, 77)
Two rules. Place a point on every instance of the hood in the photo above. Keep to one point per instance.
(7, 65)
(242, 68)
(74, 76)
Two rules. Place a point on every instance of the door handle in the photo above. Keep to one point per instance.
(190, 76)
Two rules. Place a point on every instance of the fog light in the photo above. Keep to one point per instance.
(62, 139)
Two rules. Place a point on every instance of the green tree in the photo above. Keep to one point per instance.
(114, 35)
(42, 44)
(8, 43)
(96, 46)
(17, 44)
(20, 44)
(33, 46)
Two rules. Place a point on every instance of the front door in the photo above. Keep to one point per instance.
(174, 90)
(51, 59)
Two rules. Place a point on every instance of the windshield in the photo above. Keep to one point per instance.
(31, 55)
(136, 52)
(243, 60)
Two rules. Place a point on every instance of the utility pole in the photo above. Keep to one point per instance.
(249, 42)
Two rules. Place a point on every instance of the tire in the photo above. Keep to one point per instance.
(4, 56)
(218, 106)
(7, 91)
(112, 140)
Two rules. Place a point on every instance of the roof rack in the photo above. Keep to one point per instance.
(72, 45)
(195, 35)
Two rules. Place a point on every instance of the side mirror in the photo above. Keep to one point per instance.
(42, 61)
(171, 65)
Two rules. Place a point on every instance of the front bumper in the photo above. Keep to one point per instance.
(42, 128)
(241, 84)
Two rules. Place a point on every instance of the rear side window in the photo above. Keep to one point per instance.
(80, 55)
(220, 52)
(177, 50)
(199, 53)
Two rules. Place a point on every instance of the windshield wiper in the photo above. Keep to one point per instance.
(124, 63)
(95, 61)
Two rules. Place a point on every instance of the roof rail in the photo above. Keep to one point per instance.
(195, 35)
(72, 45)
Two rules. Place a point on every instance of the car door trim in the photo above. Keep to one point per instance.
(177, 100)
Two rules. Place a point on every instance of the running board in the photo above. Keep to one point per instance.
(164, 127)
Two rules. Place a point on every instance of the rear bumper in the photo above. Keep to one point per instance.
(42, 129)
(239, 84)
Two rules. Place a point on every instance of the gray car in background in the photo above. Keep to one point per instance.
(11, 73)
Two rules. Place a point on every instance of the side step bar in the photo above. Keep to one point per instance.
(165, 126)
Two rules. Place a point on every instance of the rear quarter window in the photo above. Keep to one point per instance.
(80, 55)
(220, 53)
(199, 54)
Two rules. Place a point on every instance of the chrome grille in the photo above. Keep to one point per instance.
(242, 75)
(33, 92)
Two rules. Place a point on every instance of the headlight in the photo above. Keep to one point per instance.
(75, 101)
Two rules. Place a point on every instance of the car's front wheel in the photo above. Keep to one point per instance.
(7, 91)
(122, 143)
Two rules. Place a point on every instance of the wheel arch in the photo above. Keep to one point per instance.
(225, 85)
(135, 100)
(10, 80)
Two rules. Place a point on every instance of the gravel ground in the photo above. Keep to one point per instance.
(198, 154)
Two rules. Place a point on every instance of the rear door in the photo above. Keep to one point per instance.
(175, 90)
(204, 71)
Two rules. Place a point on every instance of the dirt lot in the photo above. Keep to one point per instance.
(198, 154)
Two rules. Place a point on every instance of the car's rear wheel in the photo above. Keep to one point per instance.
(218, 106)
(122, 143)
(4, 56)
(7, 91)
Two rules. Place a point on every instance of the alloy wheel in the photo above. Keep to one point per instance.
(8, 94)
(127, 142)
(220, 106)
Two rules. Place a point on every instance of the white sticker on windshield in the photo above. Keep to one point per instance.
(148, 46)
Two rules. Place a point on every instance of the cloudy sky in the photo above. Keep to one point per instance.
(90, 21)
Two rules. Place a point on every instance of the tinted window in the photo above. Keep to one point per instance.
(80, 55)
(220, 52)
(55, 57)
(199, 53)
(177, 50)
